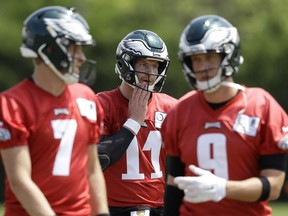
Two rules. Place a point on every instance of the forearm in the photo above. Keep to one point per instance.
(17, 165)
(247, 190)
(31, 198)
(250, 190)
(98, 194)
(111, 149)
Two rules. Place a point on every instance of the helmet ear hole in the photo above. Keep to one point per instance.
(129, 76)
(48, 49)
(228, 71)
(64, 64)
(119, 64)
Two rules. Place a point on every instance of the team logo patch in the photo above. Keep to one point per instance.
(159, 119)
(4, 134)
(247, 125)
(212, 125)
(87, 108)
(59, 111)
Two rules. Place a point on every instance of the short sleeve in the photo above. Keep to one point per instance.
(13, 130)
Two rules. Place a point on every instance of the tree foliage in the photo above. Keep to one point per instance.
(261, 23)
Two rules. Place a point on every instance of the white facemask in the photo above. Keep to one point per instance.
(212, 84)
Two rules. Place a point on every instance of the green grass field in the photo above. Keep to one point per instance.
(279, 208)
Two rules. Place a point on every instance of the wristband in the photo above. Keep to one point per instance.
(132, 125)
(104, 214)
(265, 188)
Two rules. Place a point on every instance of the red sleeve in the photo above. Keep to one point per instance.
(104, 101)
(275, 128)
(100, 118)
(12, 123)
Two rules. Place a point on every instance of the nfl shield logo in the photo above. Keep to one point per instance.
(159, 118)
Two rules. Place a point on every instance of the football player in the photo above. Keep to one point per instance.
(50, 124)
(130, 149)
(225, 142)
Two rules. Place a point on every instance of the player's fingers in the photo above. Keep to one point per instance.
(183, 181)
(136, 96)
(138, 92)
(196, 198)
(199, 186)
(146, 96)
(198, 171)
(143, 95)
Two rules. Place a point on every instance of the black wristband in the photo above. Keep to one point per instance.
(265, 189)
(104, 214)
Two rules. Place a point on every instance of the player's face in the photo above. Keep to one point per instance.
(146, 70)
(206, 65)
(78, 57)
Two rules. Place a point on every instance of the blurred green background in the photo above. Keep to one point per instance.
(262, 25)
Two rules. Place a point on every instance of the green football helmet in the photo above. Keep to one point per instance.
(47, 34)
(210, 33)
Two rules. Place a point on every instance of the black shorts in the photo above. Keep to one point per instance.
(127, 211)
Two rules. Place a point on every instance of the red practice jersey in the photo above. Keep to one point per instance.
(227, 141)
(137, 179)
(57, 131)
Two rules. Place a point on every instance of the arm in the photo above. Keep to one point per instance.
(273, 168)
(97, 184)
(250, 190)
(111, 149)
(17, 165)
(208, 187)
(173, 195)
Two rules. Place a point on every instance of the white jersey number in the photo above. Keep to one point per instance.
(64, 129)
(153, 144)
(212, 153)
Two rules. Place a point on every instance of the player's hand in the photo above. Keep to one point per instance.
(202, 188)
(138, 103)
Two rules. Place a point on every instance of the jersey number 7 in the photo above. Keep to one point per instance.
(64, 129)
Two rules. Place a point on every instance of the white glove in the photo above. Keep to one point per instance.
(202, 188)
